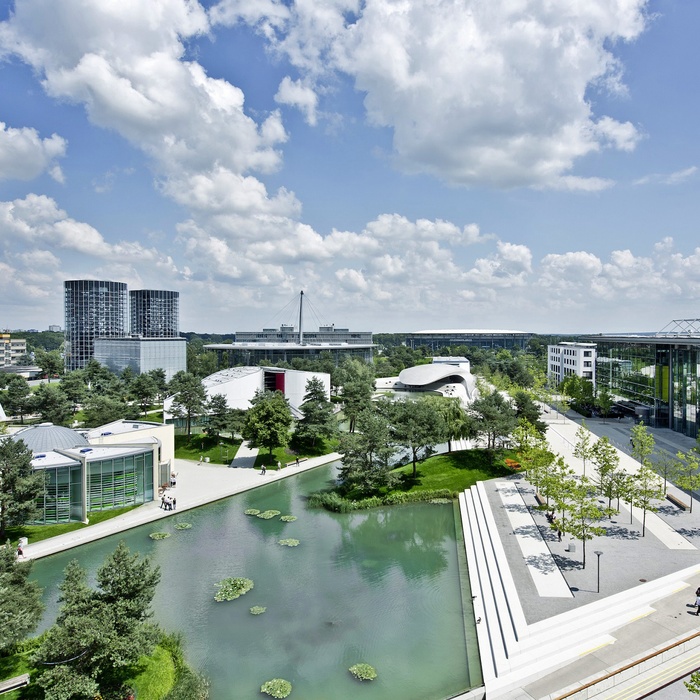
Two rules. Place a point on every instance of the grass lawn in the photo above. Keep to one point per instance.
(201, 445)
(11, 666)
(35, 533)
(455, 471)
(289, 454)
(156, 675)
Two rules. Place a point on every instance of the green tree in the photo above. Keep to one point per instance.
(20, 485)
(646, 488)
(51, 363)
(144, 389)
(99, 634)
(74, 386)
(219, 414)
(52, 405)
(416, 426)
(99, 410)
(455, 418)
(666, 467)
(17, 396)
(20, 599)
(268, 420)
(189, 397)
(583, 449)
(357, 380)
(101, 381)
(318, 420)
(688, 473)
(533, 452)
(604, 401)
(585, 514)
(642, 444)
(493, 418)
(366, 454)
(526, 408)
(607, 461)
(158, 376)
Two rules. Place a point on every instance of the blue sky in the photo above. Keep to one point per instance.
(411, 165)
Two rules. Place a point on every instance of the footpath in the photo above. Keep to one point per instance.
(197, 485)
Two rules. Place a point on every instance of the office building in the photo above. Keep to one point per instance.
(142, 355)
(94, 309)
(434, 340)
(154, 313)
(565, 359)
(11, 349)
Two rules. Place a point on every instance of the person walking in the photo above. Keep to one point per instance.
(20, 551)
(697, 601)
(174, 503)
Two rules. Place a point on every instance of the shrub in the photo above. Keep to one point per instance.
(257, 610)
(363, 672)
(289, 542)
(252, 511)
(288, 518)
(183, 526)
(276, 688)
(268, 514)
(159, 535)
(232, 588)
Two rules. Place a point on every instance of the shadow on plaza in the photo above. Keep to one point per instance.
(621, 532)
(542, 562)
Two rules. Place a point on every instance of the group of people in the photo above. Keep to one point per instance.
(168, 502)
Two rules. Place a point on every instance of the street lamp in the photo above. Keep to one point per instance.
(598, 553)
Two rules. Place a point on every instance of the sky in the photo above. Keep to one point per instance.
(410, 164)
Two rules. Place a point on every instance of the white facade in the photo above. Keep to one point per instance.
(11, 349)
(565, 359)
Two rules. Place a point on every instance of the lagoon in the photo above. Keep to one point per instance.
(381, 586)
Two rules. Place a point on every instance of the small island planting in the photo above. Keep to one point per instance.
(276, 688)
(268, 514)
(251, 511)
(232, 588)
(257, 610)
(183, 526)
(288, 518)
(363, 672)
(159, 535)
(289, 542)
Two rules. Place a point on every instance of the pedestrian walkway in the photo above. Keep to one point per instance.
(197, 485)
(245, 457)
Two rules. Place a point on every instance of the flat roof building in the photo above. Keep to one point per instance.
(568, 358)
(434, 340)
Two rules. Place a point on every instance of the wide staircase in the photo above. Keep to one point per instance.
(514, 652)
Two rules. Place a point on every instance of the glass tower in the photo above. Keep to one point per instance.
(94, 309)
(154, 313)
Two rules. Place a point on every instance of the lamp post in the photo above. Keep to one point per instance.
(598, 553)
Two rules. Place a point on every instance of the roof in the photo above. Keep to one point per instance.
(47, 436)
(119, 427)
(420, 375)
(470, 331)
(288, 346)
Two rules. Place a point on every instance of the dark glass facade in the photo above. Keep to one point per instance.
(154, 313)
(658, 375)
(93, 309)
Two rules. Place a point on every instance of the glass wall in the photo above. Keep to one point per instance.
(118, 482)
(659, 378)
(63, 496)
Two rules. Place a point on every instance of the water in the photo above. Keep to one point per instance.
(380, 587)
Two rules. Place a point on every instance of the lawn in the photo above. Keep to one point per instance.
(36, 533)
(198, 446)
(156, 675)
(14, 665)
(289, 454)
(455, 471)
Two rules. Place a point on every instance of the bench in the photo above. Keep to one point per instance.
(297, 461)
(14, 683)
(541, 500)
(677, 502)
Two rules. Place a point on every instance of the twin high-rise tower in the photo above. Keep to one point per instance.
(96, 312)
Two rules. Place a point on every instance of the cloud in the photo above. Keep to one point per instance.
(676, 178)
(476, 93)
(295, 93)
(24, 155)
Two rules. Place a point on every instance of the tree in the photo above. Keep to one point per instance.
(584, 514)
(318, 420)
(416, 426)
(533, 452)
(268, 420)
(158, 376)
(219, 414)
(583, 449)
(99, 410)
(20, 485)
(189, 397)
(51, 363)
(99, 634)
(17, 396)
(73, 385)
(52, 405)
(604, 401)
(526, 408)
(366, 454)
(357, 379)
(668, 468)
(457, 423)
(642, 444)
(688, 473)
(607, 461)
(493, 417)
(20, 599)
(144, 389)
(646, 488)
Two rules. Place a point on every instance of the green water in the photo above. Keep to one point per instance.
(380, 587)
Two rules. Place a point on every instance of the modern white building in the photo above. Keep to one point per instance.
(447, 376)
(567, 358)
